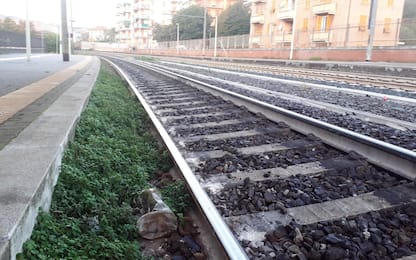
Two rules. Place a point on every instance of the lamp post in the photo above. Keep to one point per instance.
(216, 36)
(177, 39)
(28, 46)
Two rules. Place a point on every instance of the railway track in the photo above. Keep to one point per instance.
(403, 83)
(275, 184)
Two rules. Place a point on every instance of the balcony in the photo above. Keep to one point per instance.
(329, 8)
(286, 14)
(321, 37)
(257, 18)
(282, 38)
(259, 1)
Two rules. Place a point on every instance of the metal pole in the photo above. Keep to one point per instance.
(72, 30)
(292, 43)
(64, 29)
(41, 42)
(204, 34)
(177, 39)
(57, 41)
(28, 46)
(371, 25)
(216, 36)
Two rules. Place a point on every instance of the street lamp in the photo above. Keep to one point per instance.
(177, 39)
(28, 46)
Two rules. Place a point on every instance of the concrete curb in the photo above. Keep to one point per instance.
(29, 165)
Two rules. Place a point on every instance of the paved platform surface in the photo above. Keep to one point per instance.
(38, 115)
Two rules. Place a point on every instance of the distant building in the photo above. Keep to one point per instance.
(138, 17)
(323, 23)
(97, 34)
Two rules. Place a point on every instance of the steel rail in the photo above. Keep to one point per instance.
(305, 84)
(391, 157)
(351, 77)
(231, 246)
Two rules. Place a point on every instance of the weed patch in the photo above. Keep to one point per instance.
(105, 167)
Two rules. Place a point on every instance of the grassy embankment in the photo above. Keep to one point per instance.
(110, 161)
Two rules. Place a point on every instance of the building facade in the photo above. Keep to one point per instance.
(137, 18)
(323, 23)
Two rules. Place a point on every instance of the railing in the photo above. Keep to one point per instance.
(286, 14)
(259, 18)
(328, 8)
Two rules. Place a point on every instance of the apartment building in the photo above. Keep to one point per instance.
(137, 18)
(323, 23)
(215, 7)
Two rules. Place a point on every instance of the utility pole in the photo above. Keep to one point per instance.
(72, 29)
(65, 51)
(177, 39)
(371, 27)
(216, 36)
(28, 45)
(204, 33)
(292, 43)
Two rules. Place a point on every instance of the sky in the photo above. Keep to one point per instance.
(85, 13)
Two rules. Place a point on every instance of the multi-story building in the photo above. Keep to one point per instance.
(137, 18)
(215, 7)
(318, 23)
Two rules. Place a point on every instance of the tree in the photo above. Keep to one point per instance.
(191, 24)
(235, 20)
(408, 27)
(163, 33)
(50, 41)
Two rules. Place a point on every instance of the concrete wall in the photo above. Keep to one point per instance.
(407, 54)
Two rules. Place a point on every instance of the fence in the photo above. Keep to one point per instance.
(12, 42)
(386, 33)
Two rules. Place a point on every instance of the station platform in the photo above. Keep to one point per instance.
(40, 104)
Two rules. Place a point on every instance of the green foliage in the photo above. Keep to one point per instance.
(235, 20)
(104, 169)
(50, 41)
(176, 196)
(8, 24)
(146, 58)
(191, 25)
(408, 26)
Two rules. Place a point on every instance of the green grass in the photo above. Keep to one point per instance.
(145, 58)
(105, 167)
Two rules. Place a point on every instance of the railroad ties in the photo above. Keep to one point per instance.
(282, 193)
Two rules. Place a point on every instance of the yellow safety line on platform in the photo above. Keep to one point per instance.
(15, 101)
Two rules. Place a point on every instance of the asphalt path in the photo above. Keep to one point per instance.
(16, 72)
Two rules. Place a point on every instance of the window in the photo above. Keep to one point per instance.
(323, 23)
(390, 3)
(258, 29)
(387, 25)
(307, 4)
(365, 2)
(305, 24)
(363, 23)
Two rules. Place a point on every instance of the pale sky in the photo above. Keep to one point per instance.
(85, 13)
